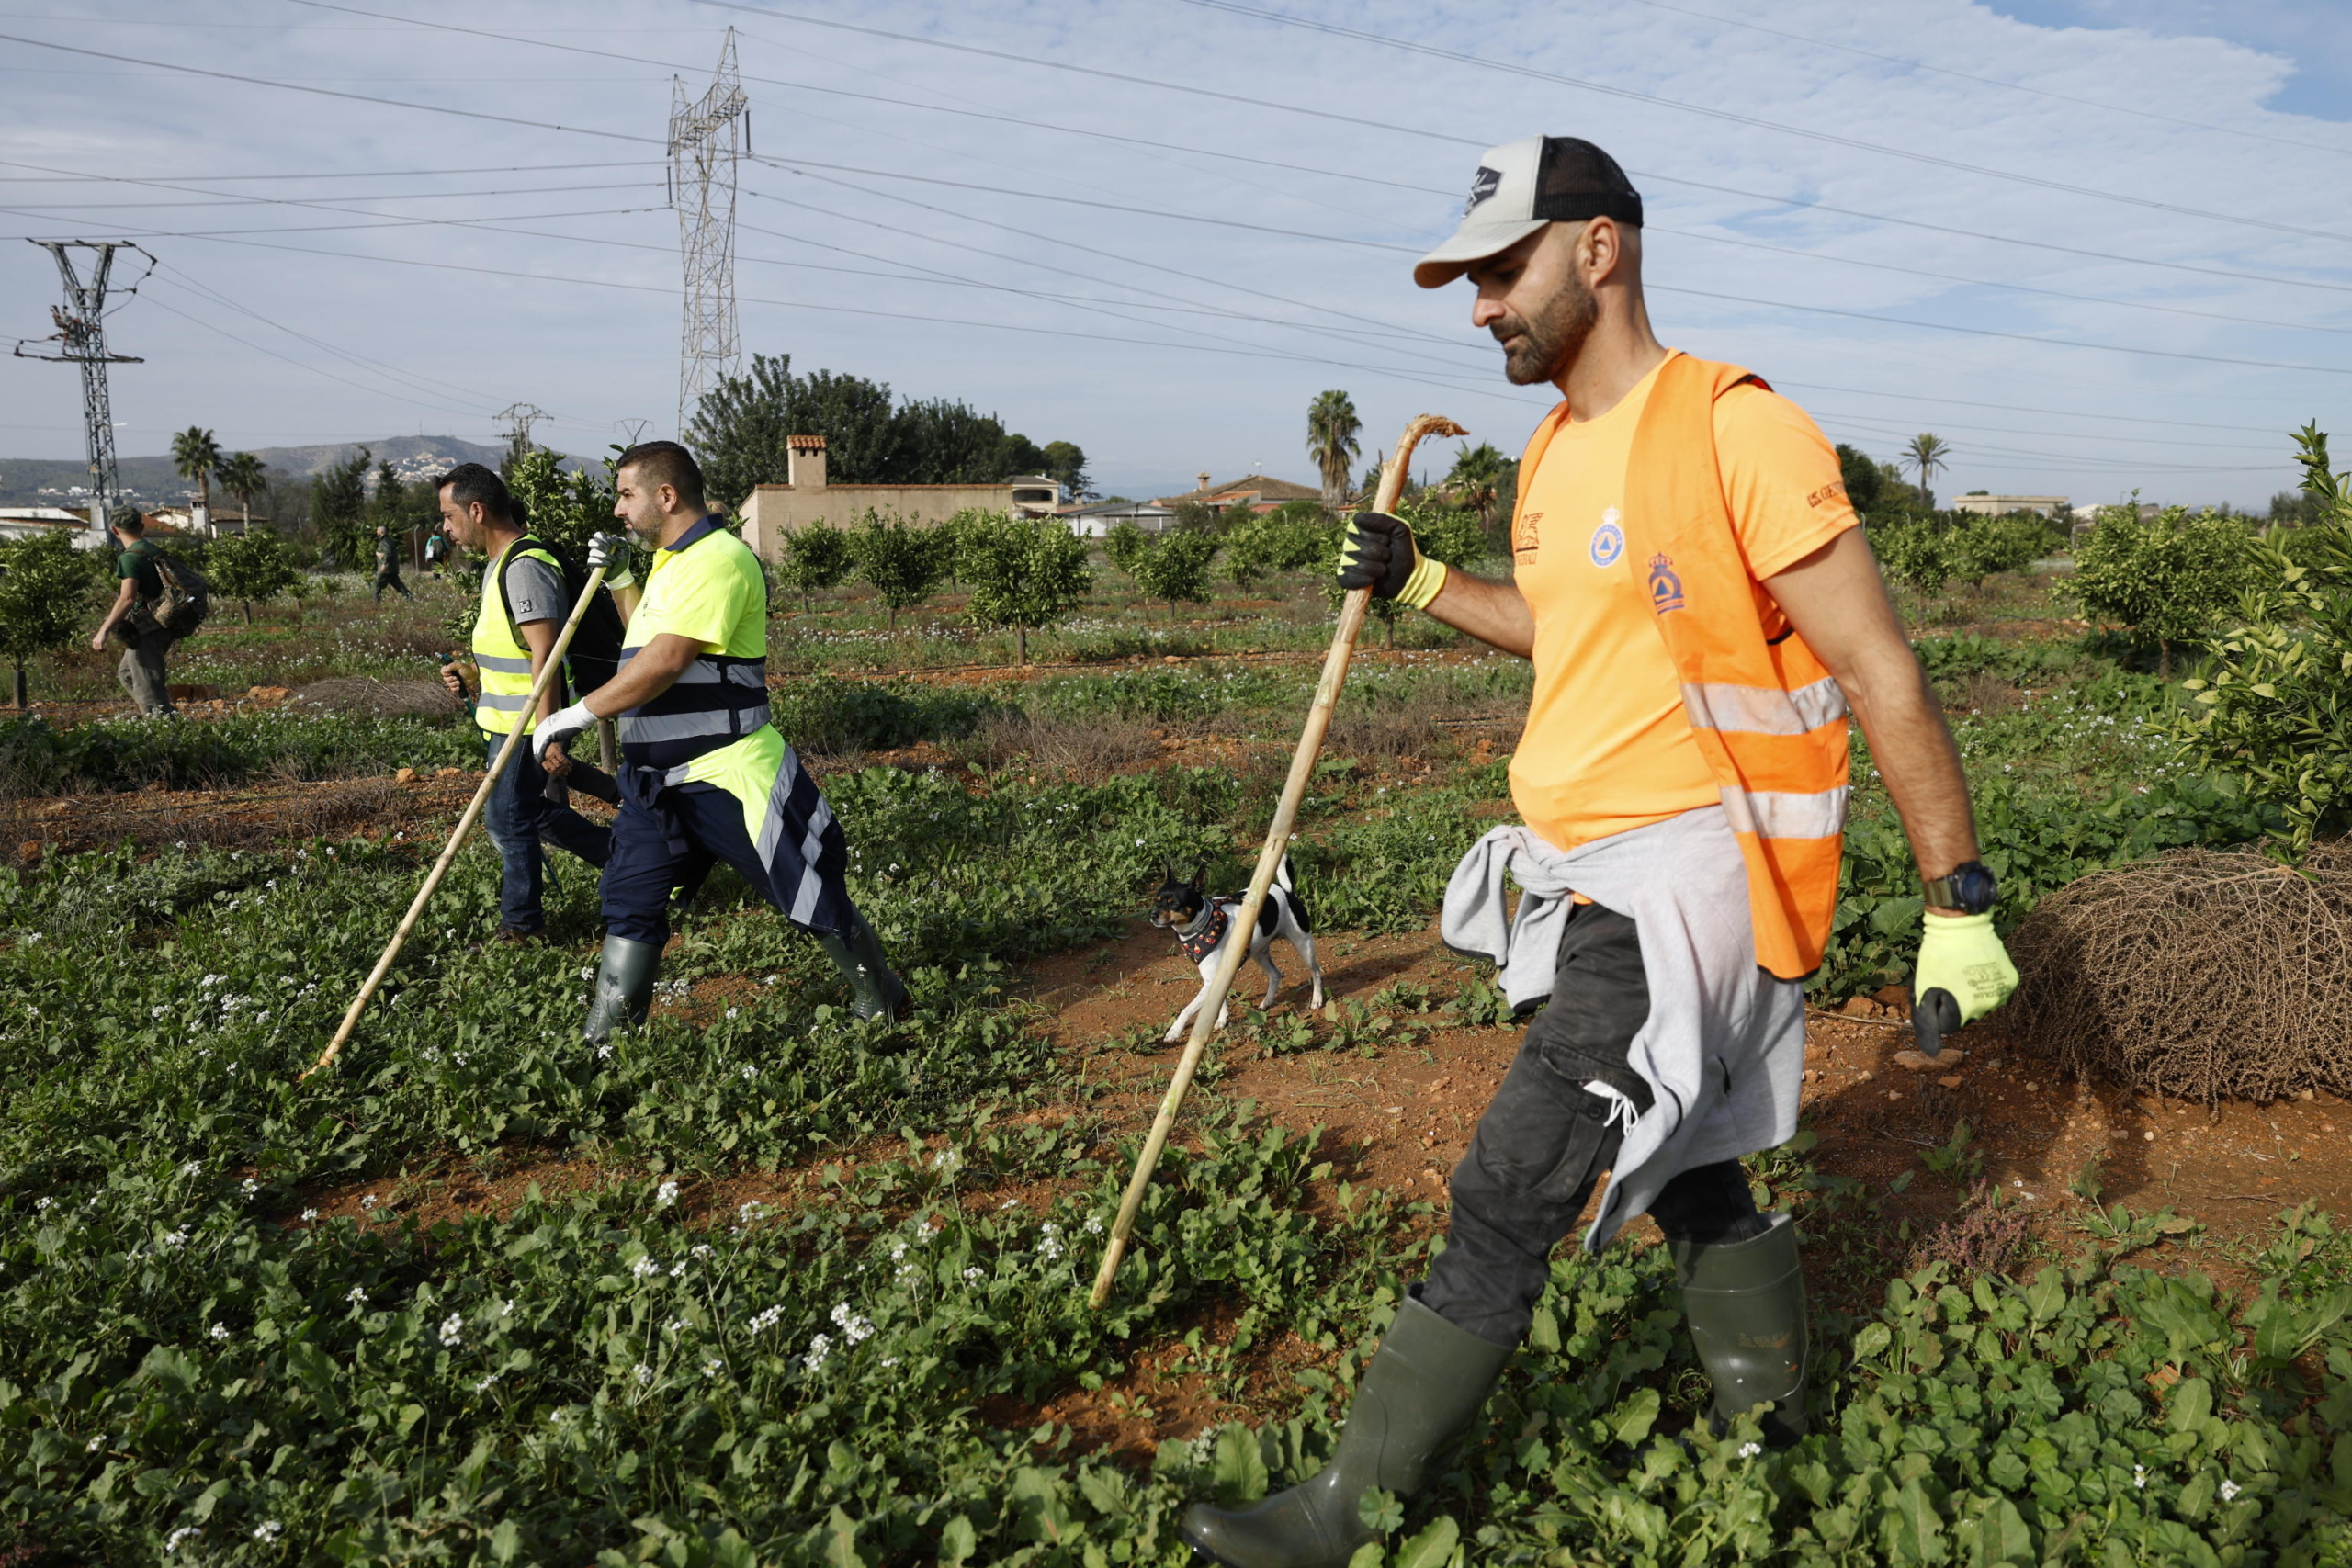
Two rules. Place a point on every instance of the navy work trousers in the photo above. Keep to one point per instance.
(529, 807)
(668, 837)
(1545, 1139)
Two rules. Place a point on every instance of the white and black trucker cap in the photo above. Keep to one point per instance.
(1521, 186)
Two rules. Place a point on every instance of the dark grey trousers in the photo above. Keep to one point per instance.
(1542, 1144)
(141, 671)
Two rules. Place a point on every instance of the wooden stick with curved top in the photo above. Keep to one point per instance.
(547, 674)
(1244, 922)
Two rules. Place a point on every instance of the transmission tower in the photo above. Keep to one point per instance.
(520, 418)
(707, 138)
(81, 337)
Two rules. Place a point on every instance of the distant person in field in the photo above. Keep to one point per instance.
(387, 564)
(131, 617)
(705, 778)
(1701, 609)
(525, 601)
(436, 550)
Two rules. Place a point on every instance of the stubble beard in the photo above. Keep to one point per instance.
(1551, 339)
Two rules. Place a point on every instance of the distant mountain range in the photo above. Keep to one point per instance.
(54, 481)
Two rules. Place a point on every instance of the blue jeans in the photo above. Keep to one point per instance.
(526, 808)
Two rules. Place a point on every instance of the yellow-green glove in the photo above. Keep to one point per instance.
(1963, 973)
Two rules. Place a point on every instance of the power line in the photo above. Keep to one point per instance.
(234, 198)
(1795, 202)
(338, 173)
(329, 92)
(1733, 116)
(1995, 81)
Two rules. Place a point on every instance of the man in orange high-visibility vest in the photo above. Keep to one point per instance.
(1701, 609)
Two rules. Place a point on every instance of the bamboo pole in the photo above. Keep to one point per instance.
(1245, 920)
(549, 672)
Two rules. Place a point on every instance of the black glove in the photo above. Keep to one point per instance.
(1378, 553)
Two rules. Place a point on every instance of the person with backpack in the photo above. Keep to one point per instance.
(526, 597)
(436, 550)
(387, 564)
(161, 600)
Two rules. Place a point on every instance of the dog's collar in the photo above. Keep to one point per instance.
(1201, 938)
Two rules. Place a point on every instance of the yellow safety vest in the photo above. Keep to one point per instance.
(504, 662)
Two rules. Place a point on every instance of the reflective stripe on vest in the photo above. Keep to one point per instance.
(1766, 714)
(504, 663)
(715, 701)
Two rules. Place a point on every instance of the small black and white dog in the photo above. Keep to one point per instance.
(1201, 925)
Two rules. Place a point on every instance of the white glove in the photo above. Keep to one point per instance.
(561, 724)
(609, 552)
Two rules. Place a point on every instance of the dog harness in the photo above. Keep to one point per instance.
(1207, 931)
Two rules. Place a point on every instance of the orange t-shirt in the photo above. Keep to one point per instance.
(1608, 746)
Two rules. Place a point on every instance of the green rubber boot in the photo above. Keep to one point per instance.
(623, 988)
(1745, 1303)
(876, 991)
(1420, 1389)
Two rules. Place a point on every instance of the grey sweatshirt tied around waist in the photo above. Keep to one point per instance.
(1722, 1050)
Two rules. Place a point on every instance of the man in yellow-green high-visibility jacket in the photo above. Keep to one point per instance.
(524, 602)
(704, 776)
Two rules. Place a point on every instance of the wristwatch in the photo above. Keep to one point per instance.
(1968, 888)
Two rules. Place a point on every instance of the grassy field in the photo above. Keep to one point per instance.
(765, 1284)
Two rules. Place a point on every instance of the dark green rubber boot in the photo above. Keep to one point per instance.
(1745, 1301)
(1418, 1394)
(876, 991)
(623, 988)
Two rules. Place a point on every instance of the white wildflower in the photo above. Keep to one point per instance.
(180, 1537)
(853, 1327)
(755, 1210)
(369, 1202)
(975, 1275)
(249, 1186)
(2230, 1490)
(191, 1169)
(764, 1321)
(309, 1213)
(734, 1012)
(268, 1529)
(644, 1374)
(358, 1296)
(453, 1330)
(665, 1194)
(710, 1366)
(2140, 1476)
(220, 1331)
(1093, 1225)
(1749, 1451)
(644, 1268)
(41, 1205)
(95, 1444)
(177, 1237)
(483, 1383)
(819, 1348)
(700, 1249)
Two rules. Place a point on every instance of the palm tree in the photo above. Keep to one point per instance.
(242, 475)
(1331, 431)
(195, 454)
(1475, 477)
(1926, 454)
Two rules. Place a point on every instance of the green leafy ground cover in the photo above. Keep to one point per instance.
(191, 1369)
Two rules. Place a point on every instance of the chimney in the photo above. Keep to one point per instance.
(1205, 478)
(804, 458)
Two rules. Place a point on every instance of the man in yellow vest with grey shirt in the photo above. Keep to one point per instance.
(525, 602)
(1701, 609)
(704, 776)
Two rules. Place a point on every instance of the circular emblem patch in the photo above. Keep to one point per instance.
(1608, 540)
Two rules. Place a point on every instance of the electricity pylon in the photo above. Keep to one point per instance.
(520, 418)
(707, 138)
(81, 336)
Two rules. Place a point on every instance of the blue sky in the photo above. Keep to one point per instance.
(2094, 246)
